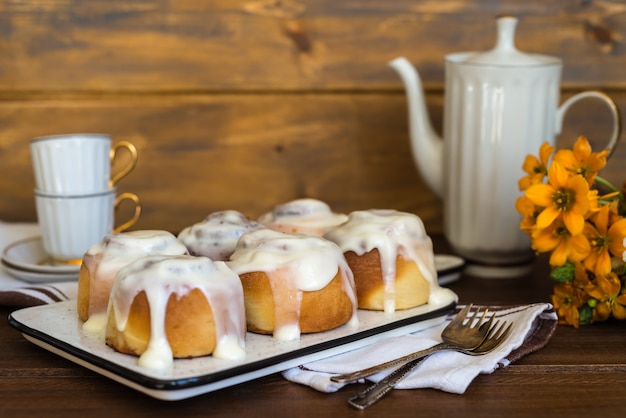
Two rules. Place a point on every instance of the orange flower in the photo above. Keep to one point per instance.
(565, 197)
(564, 246)
(607, 292)
(581, 160)
(529, 212)
(581, 279)
(536, 168)
(614, 214)
(584, 233)
(594, 202)
(566, 300)
(605, 239)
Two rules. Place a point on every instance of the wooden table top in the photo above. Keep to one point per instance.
(581, 372)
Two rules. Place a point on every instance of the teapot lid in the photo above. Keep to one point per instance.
(505, 53)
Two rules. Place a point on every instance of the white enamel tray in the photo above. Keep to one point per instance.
(57, 328)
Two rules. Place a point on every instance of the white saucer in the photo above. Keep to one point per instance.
(28, 255)
(449, 268)
(35, 277)
(499, 272)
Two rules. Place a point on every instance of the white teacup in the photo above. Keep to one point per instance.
(78, 163)
(70, 224)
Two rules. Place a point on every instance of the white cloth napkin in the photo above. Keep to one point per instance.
(447, 370)
(18, 293)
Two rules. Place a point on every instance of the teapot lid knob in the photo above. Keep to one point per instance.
(505, 53)
(506, 34)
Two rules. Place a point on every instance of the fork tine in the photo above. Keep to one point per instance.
(494, 327)
(495, 337)
(489, 324)
(480, 321)
(503, 332)
(498, 331)
(463, 313)
(471, 317)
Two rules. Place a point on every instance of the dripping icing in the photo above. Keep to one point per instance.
(161, 276)
(106, 258)
(393, 234)
(293, 263)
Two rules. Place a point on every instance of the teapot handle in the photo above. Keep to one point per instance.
(617, 120)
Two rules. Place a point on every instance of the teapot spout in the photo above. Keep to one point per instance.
(426, 145)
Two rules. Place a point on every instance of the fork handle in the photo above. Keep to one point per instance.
(376, 391)
(359, 374)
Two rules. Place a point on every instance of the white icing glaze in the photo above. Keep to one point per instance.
(294, 263)
(161, 276)
(309, 216)
(393, 233)
(96, 323)
(216, 236)
(105, 259)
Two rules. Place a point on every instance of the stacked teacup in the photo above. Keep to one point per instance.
(75, 195)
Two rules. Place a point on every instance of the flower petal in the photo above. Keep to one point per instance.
(546, 217)
(530, 164)
(582, 148)
(579, 247)
(544, 153)
(558, 176)
(617, 233)
(574, 222)
(540, 194)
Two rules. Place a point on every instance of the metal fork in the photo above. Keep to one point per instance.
(459, 334)
(375, 392)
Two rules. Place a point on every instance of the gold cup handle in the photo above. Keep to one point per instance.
(118, 200)
(131, 164)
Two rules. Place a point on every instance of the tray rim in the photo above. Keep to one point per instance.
(180, 388)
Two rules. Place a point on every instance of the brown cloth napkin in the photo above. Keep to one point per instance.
(19, 293)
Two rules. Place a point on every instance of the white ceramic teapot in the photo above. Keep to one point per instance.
(500, 106)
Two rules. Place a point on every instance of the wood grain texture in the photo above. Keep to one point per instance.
(249, 153)
(247, 104)
(202, 153)
(244, 104)
(579, 373)
(102, 46)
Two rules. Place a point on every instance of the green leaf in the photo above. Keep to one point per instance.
(585, 315)
(564, 273)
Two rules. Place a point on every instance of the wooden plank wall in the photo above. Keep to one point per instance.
(244, 104)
